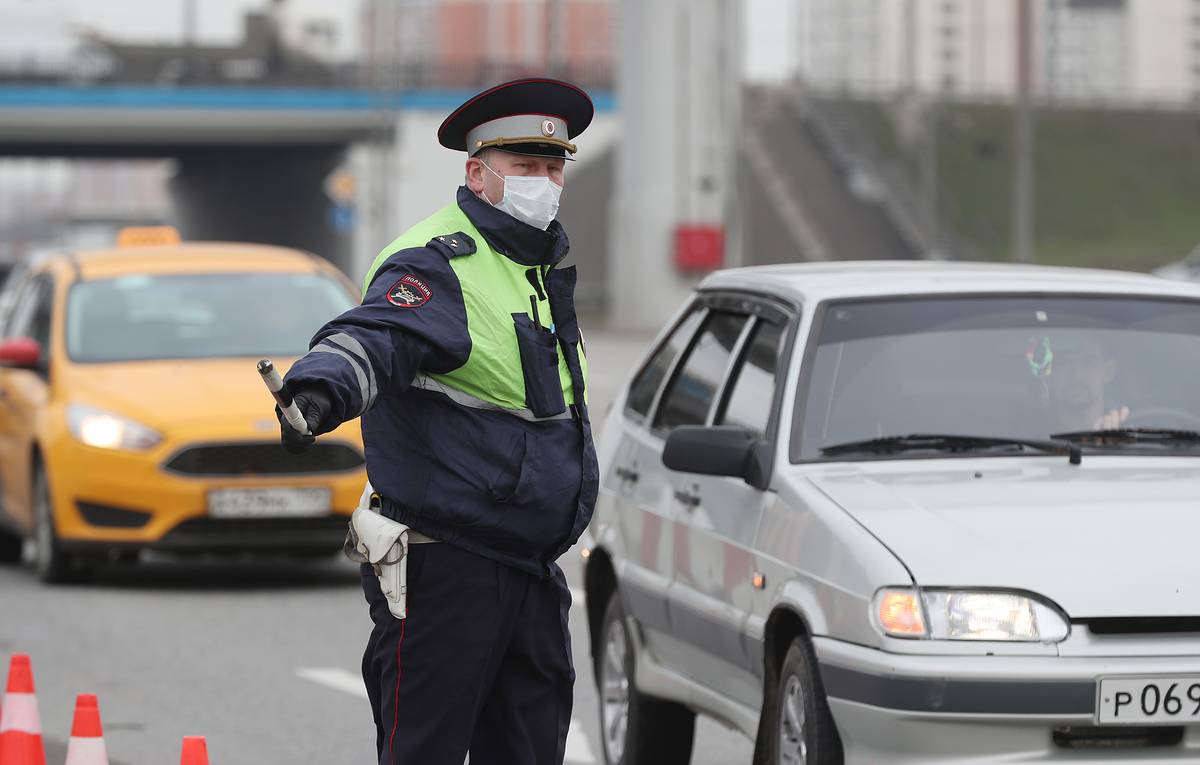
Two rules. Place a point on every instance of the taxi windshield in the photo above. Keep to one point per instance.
(192, 316)
(999, 367)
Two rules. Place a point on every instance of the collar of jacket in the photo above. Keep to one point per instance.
(516, 240)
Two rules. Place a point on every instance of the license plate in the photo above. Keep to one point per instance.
(1148, 700)
(268, 503)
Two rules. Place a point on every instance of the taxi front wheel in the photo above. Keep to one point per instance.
(52, 564)
(796, 727)
(635, 729)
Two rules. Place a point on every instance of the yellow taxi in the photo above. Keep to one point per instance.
(132, 416)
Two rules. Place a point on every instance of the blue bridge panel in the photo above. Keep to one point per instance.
(303, 99)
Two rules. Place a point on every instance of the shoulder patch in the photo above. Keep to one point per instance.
(453, 245)
(409, 292)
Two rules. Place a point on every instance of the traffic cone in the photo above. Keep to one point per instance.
(86, 746)
(195, 751)
(20, 731)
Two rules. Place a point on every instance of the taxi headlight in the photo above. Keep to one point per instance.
(104, 430)
(968, 615)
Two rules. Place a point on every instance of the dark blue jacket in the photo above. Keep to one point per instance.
(515, 486)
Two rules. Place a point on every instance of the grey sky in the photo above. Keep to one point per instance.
(768, 25)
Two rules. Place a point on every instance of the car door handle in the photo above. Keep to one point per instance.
(690, 500)
(627, 474)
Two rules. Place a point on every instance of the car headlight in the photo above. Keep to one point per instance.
(104, 430)
(968, 615)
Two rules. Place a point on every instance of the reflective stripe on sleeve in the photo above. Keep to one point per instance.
(466, 399)
(364, 387)
(351, 344)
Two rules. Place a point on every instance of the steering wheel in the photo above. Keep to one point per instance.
(1155, 417)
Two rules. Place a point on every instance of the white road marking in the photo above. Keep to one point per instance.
(579, 751)
(337, 679)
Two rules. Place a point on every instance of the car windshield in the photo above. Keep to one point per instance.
(190, 316)
(1018, 367)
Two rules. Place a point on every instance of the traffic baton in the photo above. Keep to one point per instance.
(282, 396)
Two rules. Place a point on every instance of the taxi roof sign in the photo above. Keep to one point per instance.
(143, 236)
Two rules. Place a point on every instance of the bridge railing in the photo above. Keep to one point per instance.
(251, 73)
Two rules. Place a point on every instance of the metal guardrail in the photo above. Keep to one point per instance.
(847, 146)
(397, 76)
(1142, 99)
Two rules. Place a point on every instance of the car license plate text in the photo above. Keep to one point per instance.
(268, 503)
(1148, 700)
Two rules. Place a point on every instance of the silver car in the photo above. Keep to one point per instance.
(906, 513)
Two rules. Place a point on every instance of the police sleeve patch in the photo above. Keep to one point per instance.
(409, 292)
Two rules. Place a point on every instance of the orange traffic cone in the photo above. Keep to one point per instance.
(86, 746)
(20, 730)
(195, 751)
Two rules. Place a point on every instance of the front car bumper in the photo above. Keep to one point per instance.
(972, 709)
(109, 500)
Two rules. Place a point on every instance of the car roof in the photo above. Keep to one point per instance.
(190, 257)
(808, 282)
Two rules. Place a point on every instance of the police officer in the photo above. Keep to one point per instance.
(466, 365)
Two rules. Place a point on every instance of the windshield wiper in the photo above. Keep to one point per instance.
(1127, 436)
(951, 443)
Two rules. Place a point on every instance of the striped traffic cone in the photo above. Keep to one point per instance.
(86, 746)
(20, 730)
(195, 751)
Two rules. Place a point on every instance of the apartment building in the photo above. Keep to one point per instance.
(464, 43)
(1121, 51)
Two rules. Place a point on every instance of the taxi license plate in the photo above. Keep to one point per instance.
(268, 503)
(1148, 700)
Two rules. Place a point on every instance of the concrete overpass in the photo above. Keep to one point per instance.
(251, 161)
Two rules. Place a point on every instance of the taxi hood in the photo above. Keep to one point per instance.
(1114, 536)
(175, 393)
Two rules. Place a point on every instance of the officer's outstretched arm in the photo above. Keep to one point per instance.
(412, 319)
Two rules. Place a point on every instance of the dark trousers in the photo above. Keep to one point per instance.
(481, 664)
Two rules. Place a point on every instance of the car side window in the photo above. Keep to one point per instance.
(753, 388)
(42, 311)
(15, 285)
(689, 396)
(20, 321)
(648, 381)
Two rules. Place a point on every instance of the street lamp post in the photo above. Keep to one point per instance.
(1023, 139)
(189, 38)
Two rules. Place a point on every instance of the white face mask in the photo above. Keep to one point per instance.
(532, 199)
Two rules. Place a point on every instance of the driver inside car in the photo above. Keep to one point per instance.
(1075, 372)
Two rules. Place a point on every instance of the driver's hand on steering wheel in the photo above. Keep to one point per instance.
(1112, 420)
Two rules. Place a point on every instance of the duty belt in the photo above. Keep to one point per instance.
(383, 544)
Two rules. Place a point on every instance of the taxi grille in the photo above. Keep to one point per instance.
(323, 533)
(263, 459)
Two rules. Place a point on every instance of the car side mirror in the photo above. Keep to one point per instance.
(722, 450)
(21, 353)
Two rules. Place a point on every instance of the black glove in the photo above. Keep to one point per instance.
(316, 408)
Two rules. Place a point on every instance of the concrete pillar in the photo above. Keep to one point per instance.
(678, 82)
(265, 195)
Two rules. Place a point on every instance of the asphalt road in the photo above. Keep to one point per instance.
(260, 657)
